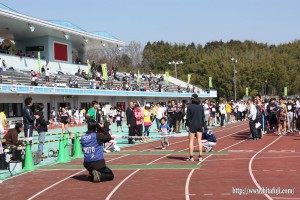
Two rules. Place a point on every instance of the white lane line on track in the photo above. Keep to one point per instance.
(220, 138)
(250, 167)
(84, 170)
(51, 186)
(238, 125)
(225, 194)
(14, 176)
(187, 183)
(130, 175)
(121, 183)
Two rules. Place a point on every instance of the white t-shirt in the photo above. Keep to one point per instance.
(222, 109)
(206, 109)
(47, 73)
(241, 107)
(160, 112)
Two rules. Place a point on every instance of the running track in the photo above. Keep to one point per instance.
(270, 162)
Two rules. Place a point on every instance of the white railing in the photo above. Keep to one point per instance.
(183, 84)
(27, 64)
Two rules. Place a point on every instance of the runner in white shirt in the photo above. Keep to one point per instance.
(159, 114)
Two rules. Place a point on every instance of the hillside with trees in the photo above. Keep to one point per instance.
(261, 67)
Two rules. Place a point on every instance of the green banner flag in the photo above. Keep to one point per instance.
(247, 91)
(104, 71)
(39, 62)
(210, 82)
(138, 76)
(189, 78)
(167, 77)
(285, 91)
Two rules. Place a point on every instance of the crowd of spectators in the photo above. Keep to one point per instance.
(115, 80)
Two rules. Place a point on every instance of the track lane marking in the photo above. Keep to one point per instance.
(187, 183)
(51, 186)
(250, 167)
(121, 183)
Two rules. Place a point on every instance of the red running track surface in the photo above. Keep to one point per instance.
(270, 162)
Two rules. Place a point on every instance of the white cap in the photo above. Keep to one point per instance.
(148, 105)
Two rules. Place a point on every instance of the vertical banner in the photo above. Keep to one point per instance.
(89, 68)
(189, 78)
(138, 76)
(285, 91)
(39, 62)
(167, 77)
(104, 71)
(210, 82)
(247, 91)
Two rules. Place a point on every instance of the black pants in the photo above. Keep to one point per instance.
(131, 133)
(106, 173)
(139, 130)
(172, 121)
(240, 116)
(253, 130)
(259, 129)
(222, 119)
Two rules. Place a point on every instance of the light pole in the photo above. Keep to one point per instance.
(266, 82)
(175, 63)
(234, 60)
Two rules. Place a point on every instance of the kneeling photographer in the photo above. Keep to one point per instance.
(92, 148)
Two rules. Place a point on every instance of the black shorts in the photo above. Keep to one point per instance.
(194, 130)
(119, 123)
(64, 122)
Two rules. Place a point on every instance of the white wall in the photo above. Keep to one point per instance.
(28, 64)
(23, 63)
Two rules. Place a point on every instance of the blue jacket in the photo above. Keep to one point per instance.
(92, 145)
(209, 136)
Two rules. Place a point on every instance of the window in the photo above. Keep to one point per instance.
(12, 109)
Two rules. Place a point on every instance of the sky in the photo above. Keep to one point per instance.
(175, 21)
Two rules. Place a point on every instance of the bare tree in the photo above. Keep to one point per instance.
(134, 51)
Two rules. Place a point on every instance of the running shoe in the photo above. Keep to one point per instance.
(190, 159)
(163, 148)
(96, 176)
(200, 159)
(208, 149)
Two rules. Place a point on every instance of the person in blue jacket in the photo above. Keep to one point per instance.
(209, 139)
(92, 148)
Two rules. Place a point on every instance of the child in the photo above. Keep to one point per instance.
(208, 139)
(110, 146)
(164, 128)
(281, 121)
(119, 121)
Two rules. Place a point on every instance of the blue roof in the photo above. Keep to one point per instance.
(66, 24)
(4, 7)
(104, 34)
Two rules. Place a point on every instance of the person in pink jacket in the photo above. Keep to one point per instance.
(139, 116)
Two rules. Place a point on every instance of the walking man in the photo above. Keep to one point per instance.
(131, 122)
